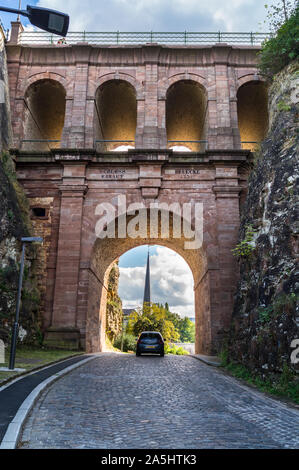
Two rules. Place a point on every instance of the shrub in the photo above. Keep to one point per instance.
(265, 314)
(129, 342)
(278, 51)
(173, 349)
(247, 246)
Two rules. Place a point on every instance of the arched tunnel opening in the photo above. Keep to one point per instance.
(107, 250)
(171, 296)
(186, 111)
(253, 119)
(115, 116)
(44, 115)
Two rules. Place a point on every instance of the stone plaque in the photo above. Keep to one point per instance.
(112, 173)
(183, 173)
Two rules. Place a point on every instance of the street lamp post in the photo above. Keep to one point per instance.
(16, 323)
(50, 20)
(18, 18)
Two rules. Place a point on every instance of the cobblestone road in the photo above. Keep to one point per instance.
(120, 401)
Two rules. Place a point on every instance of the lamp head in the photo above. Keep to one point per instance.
(50, 20)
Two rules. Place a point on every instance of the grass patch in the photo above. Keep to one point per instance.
(29, 358)
(285, 385)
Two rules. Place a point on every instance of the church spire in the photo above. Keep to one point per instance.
(147, 286)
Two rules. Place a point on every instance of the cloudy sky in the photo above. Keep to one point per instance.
(155, 15)
(171, 279)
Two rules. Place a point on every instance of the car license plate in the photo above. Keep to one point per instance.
(148, 347)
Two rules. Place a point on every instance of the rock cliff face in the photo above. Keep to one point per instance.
(114, 313)
(266, 317)
(14, 224)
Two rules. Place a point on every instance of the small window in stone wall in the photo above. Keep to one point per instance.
(39, 213)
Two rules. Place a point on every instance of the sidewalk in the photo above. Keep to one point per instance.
(210, 360)
(13, 395)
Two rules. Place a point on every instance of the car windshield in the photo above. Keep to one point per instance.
(149, 337)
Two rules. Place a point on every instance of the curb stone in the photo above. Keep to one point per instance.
(210, 360)
(10, 380)
(13, 431)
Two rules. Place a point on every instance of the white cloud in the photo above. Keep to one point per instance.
(161, 15)
(171, 281)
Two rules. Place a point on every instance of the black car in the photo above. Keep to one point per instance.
(150, 342)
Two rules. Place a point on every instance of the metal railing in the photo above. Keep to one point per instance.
(117, 37)
(103, 144)
(39, 144)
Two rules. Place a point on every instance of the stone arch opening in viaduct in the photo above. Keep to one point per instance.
(253, 118)
(186, 113)
(116, 115)
(44, 114)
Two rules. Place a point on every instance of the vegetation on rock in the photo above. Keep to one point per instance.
(284, 385)
(265, 317)
(246, 246)
(283, 45)
(114, 313)
(14, 224)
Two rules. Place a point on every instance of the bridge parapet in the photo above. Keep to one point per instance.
(164, 91)
(151, 37)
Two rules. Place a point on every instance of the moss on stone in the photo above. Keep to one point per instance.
(14, 224)
(114, 313)
(265, 320)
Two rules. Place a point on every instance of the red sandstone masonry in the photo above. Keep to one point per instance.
(77, 262)
(151, 70)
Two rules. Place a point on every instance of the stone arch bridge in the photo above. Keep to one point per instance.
(155, 123)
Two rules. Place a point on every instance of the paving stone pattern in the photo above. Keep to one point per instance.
(121, 401)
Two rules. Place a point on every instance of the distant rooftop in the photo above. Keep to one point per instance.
(128, 311)
(151, 37)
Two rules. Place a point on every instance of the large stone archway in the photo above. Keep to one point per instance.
(106, 251)
(77, 262)
(68, 183)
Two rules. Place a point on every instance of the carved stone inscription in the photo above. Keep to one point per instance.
(112, 173)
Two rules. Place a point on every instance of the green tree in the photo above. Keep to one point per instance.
(283, 47)
(152, 317)
(184, 326)
(155, 317)
(187, 330)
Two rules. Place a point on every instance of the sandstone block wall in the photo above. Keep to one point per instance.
(71, 181)
(151, 71)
